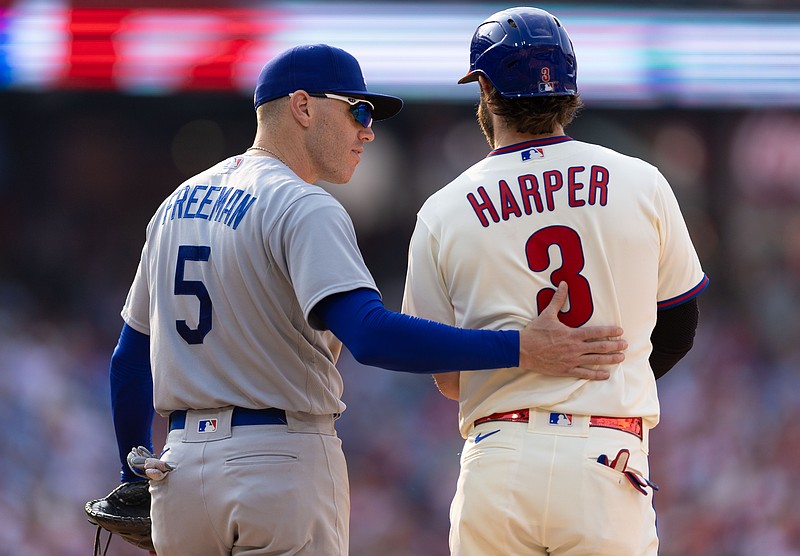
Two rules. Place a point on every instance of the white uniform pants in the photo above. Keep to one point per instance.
(253, 490)
(537, 489)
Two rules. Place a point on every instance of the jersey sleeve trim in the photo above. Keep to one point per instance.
(683, 298)
(333, 290)
(134, 324)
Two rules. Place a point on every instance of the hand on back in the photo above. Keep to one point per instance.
(549, 347)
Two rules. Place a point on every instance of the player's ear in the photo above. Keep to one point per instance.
(486, 85)
(487, 92)
(299, 107)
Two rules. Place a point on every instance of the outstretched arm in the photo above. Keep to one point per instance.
(376, 336)
(555, 349)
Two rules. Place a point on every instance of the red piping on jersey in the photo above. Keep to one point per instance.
(675, 301)
(528, 144)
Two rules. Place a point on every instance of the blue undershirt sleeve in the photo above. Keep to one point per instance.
(131, 396)
(378, 337)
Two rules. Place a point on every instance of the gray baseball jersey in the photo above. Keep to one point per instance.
(490, 247)
(235, 260)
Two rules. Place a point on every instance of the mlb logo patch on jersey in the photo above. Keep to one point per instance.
(207, 425)
(532, 154)
(561, 419)
(232, 163)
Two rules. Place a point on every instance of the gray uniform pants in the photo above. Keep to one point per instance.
(252, 490)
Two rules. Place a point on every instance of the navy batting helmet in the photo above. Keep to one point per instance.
(524, 52)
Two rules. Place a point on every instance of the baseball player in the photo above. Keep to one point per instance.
(249, 282)
(553, 465)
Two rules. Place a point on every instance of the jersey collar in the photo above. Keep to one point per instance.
(528, 144)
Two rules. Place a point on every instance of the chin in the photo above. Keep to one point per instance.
(339, 179)
(348, 176)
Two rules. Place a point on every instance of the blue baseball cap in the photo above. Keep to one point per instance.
(319, 68)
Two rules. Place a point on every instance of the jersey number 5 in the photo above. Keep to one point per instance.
(195, 288)
(568, 242)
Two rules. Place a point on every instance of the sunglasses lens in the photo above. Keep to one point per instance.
(362, 113)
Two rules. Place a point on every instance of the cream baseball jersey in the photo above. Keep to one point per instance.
(490, 248)
(235, 259)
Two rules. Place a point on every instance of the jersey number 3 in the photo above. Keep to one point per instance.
(537, 251)
(195, 288)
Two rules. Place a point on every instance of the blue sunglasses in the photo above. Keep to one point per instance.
(360, 109)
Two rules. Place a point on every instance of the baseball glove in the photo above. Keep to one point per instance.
(125, 511)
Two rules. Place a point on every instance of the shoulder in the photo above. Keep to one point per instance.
(309, 206)
(308, 197)
(280, 190)
(614, 156)
(444, 208)
(457, 187)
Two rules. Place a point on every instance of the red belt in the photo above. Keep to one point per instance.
(632, 425)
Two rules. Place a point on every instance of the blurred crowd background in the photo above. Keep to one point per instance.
(81, 173)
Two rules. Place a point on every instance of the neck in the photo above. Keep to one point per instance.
(268, 152)
(505, 137)
(286, 153)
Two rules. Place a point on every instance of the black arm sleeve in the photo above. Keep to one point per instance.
(673, 336)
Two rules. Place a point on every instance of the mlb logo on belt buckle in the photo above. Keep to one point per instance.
(207, 425)
(561, 419)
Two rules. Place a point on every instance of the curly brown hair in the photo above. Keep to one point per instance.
(534, 115)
